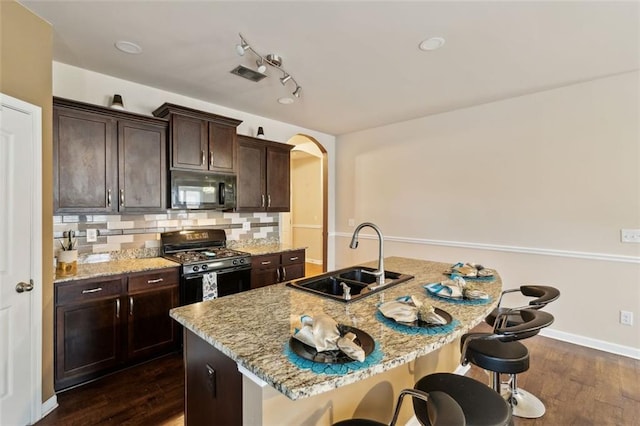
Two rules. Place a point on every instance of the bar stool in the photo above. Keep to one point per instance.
(480, 404)
(543, 296)
(441, 410)
(501, 352)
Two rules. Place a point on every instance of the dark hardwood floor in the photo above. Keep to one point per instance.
(578, 385)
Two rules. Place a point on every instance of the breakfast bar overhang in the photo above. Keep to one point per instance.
(239, 368)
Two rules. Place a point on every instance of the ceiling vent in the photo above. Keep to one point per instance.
(248, 73)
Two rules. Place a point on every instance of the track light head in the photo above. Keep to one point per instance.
(242, 47)
(284, 79)
(296, 92)
(261, 66)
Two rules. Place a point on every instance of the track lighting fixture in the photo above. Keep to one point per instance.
(271, 60)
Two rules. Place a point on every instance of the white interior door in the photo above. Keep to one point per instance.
(20, 262)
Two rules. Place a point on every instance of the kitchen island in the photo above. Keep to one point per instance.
(238, 345)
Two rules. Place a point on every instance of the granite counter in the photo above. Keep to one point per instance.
(116, 267)
(253, 328)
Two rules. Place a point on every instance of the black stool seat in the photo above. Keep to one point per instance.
(497, 356)
(480, 404)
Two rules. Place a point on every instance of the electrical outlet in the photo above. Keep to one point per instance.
(246, 226)
(92, 235)
(630, 235)
(626, 317)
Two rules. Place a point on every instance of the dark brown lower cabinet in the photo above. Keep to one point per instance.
(213, 385)
(100, 326)
(278, 267)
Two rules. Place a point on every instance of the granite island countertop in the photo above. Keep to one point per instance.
(253, 328)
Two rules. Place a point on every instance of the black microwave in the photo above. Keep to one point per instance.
(202, 191)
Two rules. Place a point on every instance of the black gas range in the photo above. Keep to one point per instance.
(209, 269)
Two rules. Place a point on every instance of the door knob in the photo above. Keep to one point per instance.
(21, 287)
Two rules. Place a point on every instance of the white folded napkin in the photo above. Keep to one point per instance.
(350, 348)
(408, 309)
(321, 332)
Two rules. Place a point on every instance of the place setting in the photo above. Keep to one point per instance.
(411, 315)
(471, 271)
(458, 290)
(325, 346)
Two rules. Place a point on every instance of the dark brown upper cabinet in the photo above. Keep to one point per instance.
(107, 161)
(200, 140)
(264, 176)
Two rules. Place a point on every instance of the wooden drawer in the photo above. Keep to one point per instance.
(290, 257)
(265, 261)
(83, 291)
(150, 280)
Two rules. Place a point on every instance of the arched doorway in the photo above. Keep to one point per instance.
(306, 224)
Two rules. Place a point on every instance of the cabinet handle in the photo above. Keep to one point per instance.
(262, 204)
(122, 198)
(284, 273)
(278, 271)
(269, 200)
(293, 258)
(158, 280)
(130, 306)
(117, 308)
(109, 197)
(265, 262)
(93, 290)
(202, 158)
(210, 158)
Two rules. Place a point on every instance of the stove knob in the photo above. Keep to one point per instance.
(196, 268)
(241, 261)
(205, 267)
(235, 261)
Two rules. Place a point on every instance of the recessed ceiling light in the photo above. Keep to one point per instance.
(285, 101)
(128, 47)
(432, 43)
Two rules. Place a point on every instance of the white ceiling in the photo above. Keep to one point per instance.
(358, 62)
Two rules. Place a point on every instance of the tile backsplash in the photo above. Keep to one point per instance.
(139, 235)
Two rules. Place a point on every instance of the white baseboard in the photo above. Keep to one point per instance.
(588, 342)
(49, 405)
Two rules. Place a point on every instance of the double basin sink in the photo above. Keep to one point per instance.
(359, 280)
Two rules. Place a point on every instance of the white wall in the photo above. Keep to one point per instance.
(536, 186)
(95, 88)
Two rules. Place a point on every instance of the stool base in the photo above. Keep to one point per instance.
(523, 404)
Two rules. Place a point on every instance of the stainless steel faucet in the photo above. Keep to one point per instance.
(379, 274)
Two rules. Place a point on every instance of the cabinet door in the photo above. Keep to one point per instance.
(151, 331)
(222, 148)
(84, 162)
(293, 266)
(251, 195)
(265, 270)
(189, 143)
(278, 179)
(141, 166)
(88, 340)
